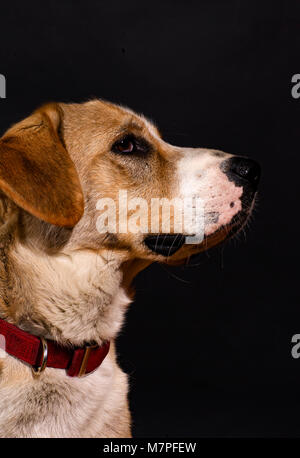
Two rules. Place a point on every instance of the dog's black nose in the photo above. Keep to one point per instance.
(247, 169)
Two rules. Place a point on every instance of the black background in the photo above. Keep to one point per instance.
(208, 347)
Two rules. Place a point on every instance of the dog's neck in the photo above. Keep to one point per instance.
(72, 297)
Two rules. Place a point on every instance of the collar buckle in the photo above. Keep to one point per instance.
(42, 367)
(85, 360)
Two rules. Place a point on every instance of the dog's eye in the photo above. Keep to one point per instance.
(126, 146)
(131, 145)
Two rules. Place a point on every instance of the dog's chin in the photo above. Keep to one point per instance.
(173, 249)
(225, 233)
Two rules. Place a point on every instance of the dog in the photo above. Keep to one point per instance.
(65, 277)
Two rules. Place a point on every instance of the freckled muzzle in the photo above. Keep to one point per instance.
(228, 203)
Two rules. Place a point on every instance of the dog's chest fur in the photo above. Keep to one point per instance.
(56, 406)
(74, 297)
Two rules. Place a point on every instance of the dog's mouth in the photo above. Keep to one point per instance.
(168, 244)
(165, 244)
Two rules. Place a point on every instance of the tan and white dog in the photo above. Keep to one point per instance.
(66, 281)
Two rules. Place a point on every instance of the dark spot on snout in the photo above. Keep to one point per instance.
(231, 204)
(211, 218)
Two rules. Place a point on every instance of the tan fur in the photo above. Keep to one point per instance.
(59, 277)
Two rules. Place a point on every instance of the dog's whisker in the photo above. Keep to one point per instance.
(170, 248)
(175, 276)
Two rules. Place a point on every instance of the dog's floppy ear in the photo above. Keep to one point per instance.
(36, 171)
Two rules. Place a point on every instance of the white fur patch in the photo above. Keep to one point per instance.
(73, 297)
(77, 294)
(199, 175)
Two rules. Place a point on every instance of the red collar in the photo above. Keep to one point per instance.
(40, 353)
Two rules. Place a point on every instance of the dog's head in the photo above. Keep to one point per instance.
(90, 194)
(105, 175)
